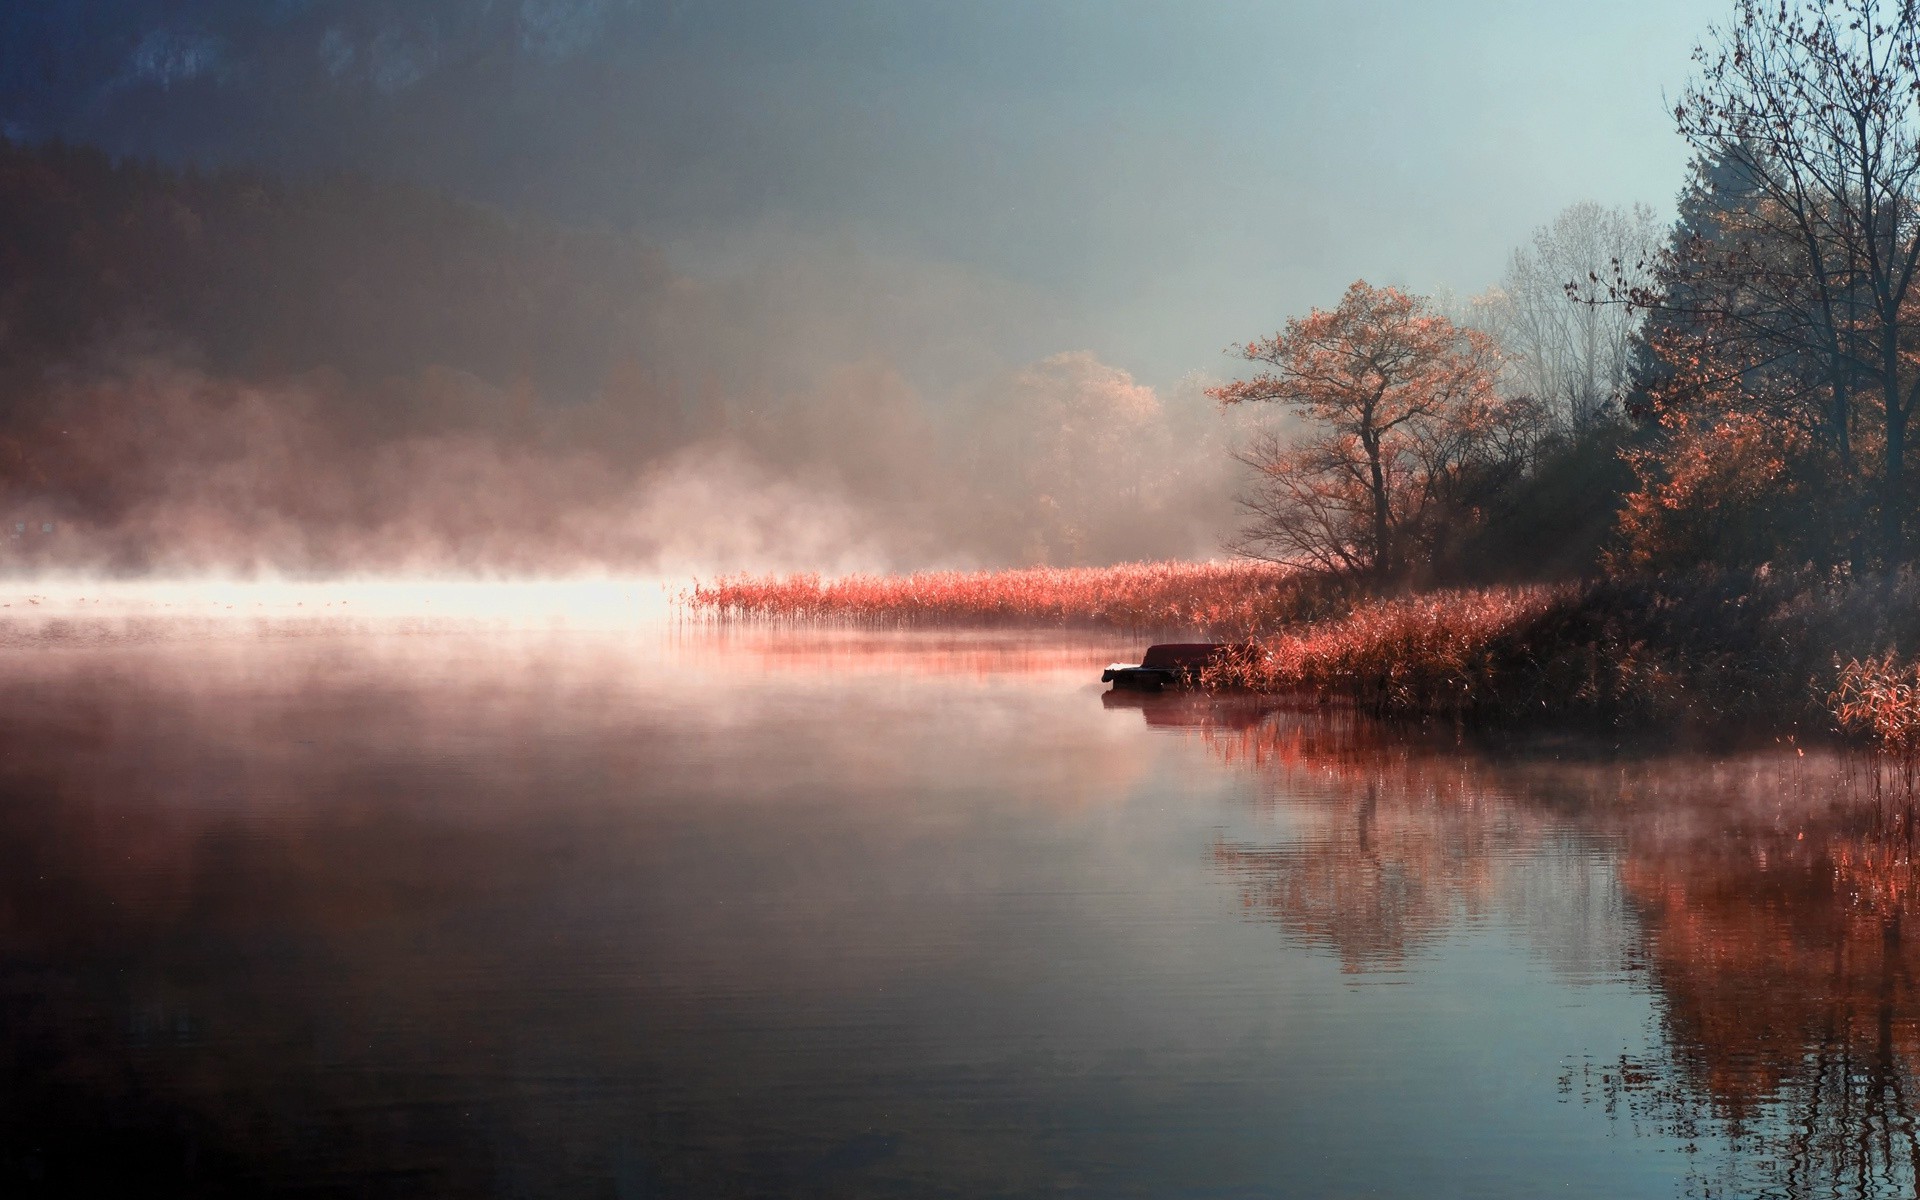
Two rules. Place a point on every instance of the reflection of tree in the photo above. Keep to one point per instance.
(1763, 899)
(1401, 843)
(1373, 887)
(1786, 974)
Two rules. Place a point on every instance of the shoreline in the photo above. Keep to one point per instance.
(1768, 648)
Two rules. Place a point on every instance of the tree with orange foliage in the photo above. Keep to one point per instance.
(1812, 280)
(1403, 425)
(1734, 467)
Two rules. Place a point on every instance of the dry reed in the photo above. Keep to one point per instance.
(1698, 648)
(1420, 654)
(1879, 698)
(1219, 599)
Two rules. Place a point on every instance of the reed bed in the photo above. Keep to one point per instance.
(1436, 652)
(1225, 600)
(1699, 648)
(1878, 698)
(1788, 650)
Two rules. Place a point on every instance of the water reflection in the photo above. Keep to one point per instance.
(855, 914)
(1764, 897)
(1781, 950)
(539, 916)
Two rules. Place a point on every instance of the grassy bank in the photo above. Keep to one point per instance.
(1706, 647)
(1791, 649)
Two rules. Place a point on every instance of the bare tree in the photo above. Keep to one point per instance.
(1575, 358)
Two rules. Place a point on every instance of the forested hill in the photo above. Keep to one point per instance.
(260, 278)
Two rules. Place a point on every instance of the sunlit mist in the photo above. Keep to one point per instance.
(601, 603)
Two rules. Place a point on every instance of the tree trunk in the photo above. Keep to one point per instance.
(1893, 481)
(1893, 500)
(1839, 416)
(1383, 564)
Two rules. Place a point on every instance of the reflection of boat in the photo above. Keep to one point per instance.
(1175, 663)
(1192, 710)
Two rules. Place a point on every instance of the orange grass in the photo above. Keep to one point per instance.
(1879, 697)
(1426, 653)
(1698, 648)
(1222, 599)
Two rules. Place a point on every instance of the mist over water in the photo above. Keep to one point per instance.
(241, 375)
(606, 903)
(159, 471)
(329, 287)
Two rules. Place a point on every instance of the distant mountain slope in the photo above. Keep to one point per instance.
(545, 104)
(370, 280)
(226, 370)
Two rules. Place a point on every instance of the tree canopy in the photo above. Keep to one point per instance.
(1402, 423)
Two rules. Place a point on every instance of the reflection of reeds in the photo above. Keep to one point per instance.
(1765, 903)
(1222, 599)
(1878, 698)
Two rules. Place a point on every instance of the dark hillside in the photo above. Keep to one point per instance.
(368, 279)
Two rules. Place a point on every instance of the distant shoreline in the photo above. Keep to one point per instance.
(1698, 648)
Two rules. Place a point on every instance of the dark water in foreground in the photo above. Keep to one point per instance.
(685, 915)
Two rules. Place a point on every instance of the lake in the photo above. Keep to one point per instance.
(671, 911)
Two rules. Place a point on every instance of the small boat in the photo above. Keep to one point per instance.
(1176, 664)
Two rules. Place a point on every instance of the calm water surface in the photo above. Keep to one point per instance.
(687, 913)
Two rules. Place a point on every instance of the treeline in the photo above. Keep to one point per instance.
(1782, 350)
(1738, 393)
(1416, 458)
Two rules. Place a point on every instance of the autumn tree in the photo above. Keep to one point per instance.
(1399, 424)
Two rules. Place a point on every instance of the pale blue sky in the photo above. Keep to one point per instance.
(1157, 179)
(1189, 178)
